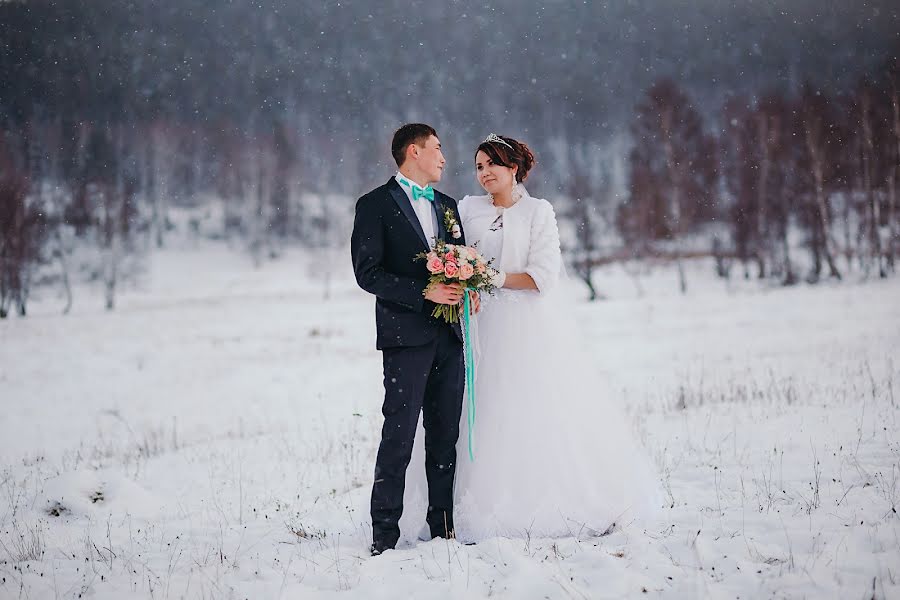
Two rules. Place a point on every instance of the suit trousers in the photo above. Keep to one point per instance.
(426, 379)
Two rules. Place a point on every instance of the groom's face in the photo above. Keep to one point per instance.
(431, 159)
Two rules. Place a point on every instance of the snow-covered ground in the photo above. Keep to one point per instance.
(212, 436)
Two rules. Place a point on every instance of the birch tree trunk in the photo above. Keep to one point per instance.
(814, 144)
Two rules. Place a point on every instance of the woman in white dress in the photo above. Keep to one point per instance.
(553, 454)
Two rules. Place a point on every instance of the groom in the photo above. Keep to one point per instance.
(423, 357)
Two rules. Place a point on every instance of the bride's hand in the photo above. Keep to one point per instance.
(475, 306)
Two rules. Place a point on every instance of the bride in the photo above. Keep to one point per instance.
(553, 455)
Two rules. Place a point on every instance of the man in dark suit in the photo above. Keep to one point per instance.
(423, 356)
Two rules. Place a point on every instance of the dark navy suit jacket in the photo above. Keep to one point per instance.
(386, 237)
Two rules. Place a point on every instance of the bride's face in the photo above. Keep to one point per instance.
(493, 178)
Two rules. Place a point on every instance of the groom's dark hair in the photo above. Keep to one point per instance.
(411, 133)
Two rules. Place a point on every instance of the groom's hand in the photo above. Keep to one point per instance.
(445, 293)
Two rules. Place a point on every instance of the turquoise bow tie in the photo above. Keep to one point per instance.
(427, 193)
(417, 192)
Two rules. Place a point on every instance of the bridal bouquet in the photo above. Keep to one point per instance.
(449, 263)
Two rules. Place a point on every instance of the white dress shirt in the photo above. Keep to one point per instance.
(423, 208)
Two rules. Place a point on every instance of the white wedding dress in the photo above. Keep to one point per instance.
(553, 454)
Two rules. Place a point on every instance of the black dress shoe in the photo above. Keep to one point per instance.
(447, 535)
(442, 529)
(378, 548)
(440, 523)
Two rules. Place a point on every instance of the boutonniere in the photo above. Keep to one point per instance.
(451, 225)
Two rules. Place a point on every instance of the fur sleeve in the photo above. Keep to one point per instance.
(544, 254)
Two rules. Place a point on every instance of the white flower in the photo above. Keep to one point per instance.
(456, 232)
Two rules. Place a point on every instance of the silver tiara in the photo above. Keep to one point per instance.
(496, 138)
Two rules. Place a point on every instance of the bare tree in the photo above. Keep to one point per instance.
(584, 215)
(285, 158)
(865, 115)
(673, 167)
(739, 172)
(766, 138)
(13, 226)
(228, 174)
(160, 151)
(893, 171)
(581, 170)
(46, 167)
(260, 164)
(817, 126)
(110, 183)
(592, 210)
(774, 185)
(23, 228)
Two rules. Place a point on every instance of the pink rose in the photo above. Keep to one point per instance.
(465, 271)
(451, 269)
(481, 268)
(435, 264)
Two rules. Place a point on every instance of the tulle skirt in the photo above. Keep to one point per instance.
(554, 454)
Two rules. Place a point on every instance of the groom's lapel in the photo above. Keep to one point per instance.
(402, 201)
(439, 213)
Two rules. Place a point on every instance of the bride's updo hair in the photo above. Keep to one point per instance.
(516, 154)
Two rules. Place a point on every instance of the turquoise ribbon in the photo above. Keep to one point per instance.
(470, 374)
(419, 192)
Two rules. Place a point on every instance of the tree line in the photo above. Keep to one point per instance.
(781, 187)
(114, 114)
